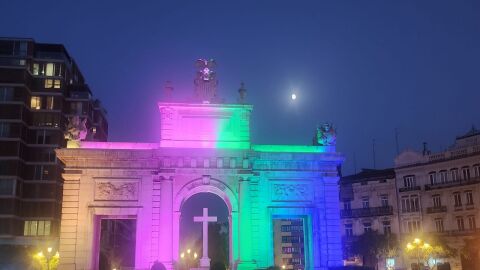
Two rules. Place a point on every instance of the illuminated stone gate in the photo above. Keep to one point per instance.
(204, 147)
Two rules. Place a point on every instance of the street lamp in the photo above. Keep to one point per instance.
(48, 260)
(419, 246)
(188, 257)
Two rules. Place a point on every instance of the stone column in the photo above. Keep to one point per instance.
(245, 260)
(165, 229)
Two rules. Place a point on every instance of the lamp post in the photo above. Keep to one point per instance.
(188, 257)
(47, 258)
(418, 246)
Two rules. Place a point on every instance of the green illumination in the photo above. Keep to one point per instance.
(292, 148)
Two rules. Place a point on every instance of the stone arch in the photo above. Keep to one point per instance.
(206, 184)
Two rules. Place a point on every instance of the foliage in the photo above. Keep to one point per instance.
(430, 252)
(47, 263)
(275, 267)
(371, 246)
(218, 266)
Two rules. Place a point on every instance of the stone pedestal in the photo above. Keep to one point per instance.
(205, 263)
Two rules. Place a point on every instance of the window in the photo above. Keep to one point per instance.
(410, 204)
(433, 178)
(57, 84)
(387, 227)
(460, 224)
(219, 160)
(409, 181)
(291, 239)
(454, 173)
(76, 108)
(436, 200)
(469, 197)
(365, 202)
(349, 229)
(443, 176)
(40, 172)
(35, 103)
(49, 103)
(48, 83)
(49, 69)
(347, 205)
(367, 226)
(413, 226)
(43, 136)
(457, 198)
(6, 93)
(472, 225)
(7, 186)
(466, 173)
(36, 228)
(384, 200)
(4, 130)
(439, 225)
(476, 170)
(36, 69)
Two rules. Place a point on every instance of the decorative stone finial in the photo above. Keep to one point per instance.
(76, 129)
(243, 93)
(205, 81)
(168, 91)
(326, 135)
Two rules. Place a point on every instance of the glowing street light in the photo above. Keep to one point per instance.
(283, 266)
(47, 261)
(294, 96)
(418, 245)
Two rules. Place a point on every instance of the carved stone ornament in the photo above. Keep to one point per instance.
(326, 135)
(116, 191)
(76, 129)
(292, 192)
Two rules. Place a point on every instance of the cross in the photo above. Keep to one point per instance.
(205, 219)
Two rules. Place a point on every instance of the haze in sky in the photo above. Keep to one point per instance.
(370, 67)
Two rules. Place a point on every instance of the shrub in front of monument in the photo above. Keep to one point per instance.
(218, 266)
(158, 266)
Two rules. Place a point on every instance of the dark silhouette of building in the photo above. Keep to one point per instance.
(41, 88)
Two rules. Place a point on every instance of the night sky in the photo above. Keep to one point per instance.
(367, 66)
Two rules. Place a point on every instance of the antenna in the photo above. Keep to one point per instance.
(396, 141)
(355, 162)
(373, 148)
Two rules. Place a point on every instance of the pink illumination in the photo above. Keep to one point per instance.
(117, 145)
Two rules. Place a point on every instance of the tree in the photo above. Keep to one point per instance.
(428, 253)
(372, 246)
(470, 252)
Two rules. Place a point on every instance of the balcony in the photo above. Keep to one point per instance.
(404, 189)
(367, 212)
(449, 184)
(437, 209)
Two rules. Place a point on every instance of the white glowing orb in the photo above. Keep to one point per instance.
(294, 96)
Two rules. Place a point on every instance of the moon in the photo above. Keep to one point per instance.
(294, 96)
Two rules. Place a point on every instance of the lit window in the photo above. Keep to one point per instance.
(49, 103)
(50, 69)
(36, 69)
(36, 228)
(57, 84)
(48, 83)
(35, 103)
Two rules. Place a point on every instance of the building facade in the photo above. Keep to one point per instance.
(368, 202)
(41, 88)
(429, 196)
(289, 250)
(439, 195)
(204, 147)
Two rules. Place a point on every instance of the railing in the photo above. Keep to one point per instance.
(436, 209)
(410, 188)
(367, 212)
(453, 183)
(454, 153)
(459, 232)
